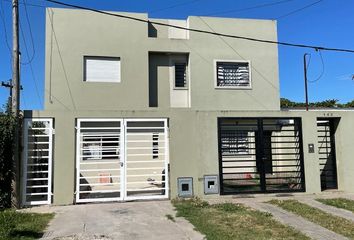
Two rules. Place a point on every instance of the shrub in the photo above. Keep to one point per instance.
(6, 163)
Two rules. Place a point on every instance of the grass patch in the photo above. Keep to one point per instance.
(25, 226)
(336, 224)
(233, 221)
(339, 203)
(170, 217)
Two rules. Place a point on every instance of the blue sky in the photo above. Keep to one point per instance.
(327, 23)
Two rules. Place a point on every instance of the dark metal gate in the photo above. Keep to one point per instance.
(260, 155)
(327, 153)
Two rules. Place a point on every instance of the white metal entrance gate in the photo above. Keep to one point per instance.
(37, 161)
(121, 159)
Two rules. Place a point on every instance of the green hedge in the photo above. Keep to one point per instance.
(6, 163)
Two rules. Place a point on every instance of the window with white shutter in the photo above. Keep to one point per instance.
(102, 69)
(233, 74)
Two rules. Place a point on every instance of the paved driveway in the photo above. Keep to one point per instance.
(131, 220)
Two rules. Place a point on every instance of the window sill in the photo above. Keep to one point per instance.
(93, 82)
(180, 88)
(234, 88)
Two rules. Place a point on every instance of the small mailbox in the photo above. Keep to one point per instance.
(185, 186)
(211, 184)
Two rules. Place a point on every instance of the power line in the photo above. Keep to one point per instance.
(174, 6)
(2, 15)
(28, 4)
(309, 61)
(61, 60)
(248, 8)
(299, 9)
(30, 30)
(31, 35)
(35, 79)
(31, 67)
(32, 71)
(322, 72)
(204, 31)
(24, 100)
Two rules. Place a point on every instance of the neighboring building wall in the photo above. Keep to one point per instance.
(73, 34)
(194, 146)
(344, 151)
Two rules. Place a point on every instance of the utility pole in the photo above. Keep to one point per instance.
(305, 75)
(9, 86)
(15, 103)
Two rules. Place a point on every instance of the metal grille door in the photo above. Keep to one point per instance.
(146, 154)
(282, 155)
(260, 155)
(239, 169)
(121, 159)
(99, 160)
(327, 153)
(37, 161)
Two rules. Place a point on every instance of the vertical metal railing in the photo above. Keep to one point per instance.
(37, 161)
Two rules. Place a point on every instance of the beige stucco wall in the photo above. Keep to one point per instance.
(194, 147)
(72, 34)
(193, 131)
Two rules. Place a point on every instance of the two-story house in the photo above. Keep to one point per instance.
(138, 110)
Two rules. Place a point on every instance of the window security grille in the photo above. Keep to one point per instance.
(155, 145)
(235, 143)
(233, 74)
(180, 75)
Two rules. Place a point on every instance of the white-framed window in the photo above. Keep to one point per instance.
(180, 75)
(102, 69)
(234, 74)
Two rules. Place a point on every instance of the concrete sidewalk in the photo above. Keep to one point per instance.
(130, 220)
(148, 220)
(312, 230)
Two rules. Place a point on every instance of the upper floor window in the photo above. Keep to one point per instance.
(101, 69)
(180, 80)
(233, 74)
